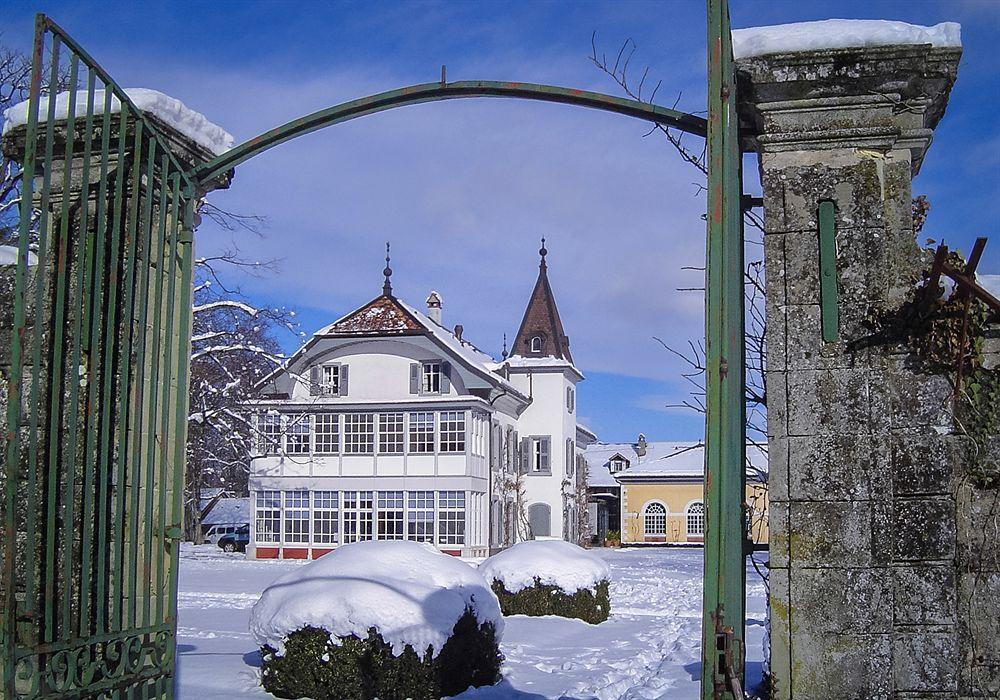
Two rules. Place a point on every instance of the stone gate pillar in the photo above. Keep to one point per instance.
(870, 557)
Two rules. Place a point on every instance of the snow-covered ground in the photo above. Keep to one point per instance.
(648, 649)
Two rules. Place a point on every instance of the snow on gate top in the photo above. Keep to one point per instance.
(172, 111)
(841, 34)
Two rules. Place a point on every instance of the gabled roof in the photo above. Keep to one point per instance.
(663, 461)
(541, 318)
(382, 315)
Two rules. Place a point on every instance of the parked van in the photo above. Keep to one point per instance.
(213, 533)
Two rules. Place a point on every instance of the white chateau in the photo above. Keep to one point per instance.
(387, 425)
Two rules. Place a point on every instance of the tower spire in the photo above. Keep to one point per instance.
(387, 285)
(541, 332)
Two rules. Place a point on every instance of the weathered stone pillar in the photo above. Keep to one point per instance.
(868, 572)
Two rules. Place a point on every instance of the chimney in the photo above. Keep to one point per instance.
(640, 446)
(434, 307)
(458, 332)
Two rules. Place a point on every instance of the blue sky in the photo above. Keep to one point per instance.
(465, 189)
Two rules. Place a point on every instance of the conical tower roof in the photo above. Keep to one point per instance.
(541, 333)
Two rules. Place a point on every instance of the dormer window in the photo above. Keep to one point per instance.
(328, 380)
(536, 343)
(617, 464)
(431, 379)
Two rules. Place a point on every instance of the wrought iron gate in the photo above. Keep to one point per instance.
(96, 389)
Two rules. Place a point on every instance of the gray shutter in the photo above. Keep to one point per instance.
(445, 377)
(415, 378)
(343, 381)
(525, 455)
(544, 460)
(314, 380)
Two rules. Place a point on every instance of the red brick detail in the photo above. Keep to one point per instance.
(317, 553)
(294, 553)
(696, 538)
(266, 552)
(452, 552)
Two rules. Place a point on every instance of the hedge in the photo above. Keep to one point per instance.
(364, 669)
(545, 599)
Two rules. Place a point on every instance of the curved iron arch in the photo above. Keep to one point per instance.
(434, 92)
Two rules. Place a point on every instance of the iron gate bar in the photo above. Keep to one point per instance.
(723, 610)
(434, 92)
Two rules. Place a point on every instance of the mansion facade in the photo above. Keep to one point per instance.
(387, 425)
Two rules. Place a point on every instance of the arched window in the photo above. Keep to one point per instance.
(536, 343)
(655, 519)
(696, 519)
(540, 519)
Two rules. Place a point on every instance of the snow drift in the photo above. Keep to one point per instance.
(552, 562)
(840, 34)
(172, 111)
(409, 592)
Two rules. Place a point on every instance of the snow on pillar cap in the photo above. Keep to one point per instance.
(841, 34)
(170, 110)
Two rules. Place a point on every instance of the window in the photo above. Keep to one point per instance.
(270, 433)
(296, 516)
(536, 344)
(453, 431)
(540, 519)
(570, 399)
(268, 508)
(451, 517)
(330, 380)
(357, 516)
(430, 382)
(390, 515)
(325, 507)
(570, 454)
(299, 434)
(539, 455)
(422, 432)
(617, 464)
(420, 516)
(655, 519)
(696, 519)
(327, 434)
(390, 433)
(359, 433)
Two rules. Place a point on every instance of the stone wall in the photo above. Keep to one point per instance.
(884, 579)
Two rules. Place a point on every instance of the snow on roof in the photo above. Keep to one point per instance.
(411, 593)
(991, 283)
(552, 562)
(192, 124)
(8, 255)
(518, 361)
(228, 511)
(662, 460)
(840, 34)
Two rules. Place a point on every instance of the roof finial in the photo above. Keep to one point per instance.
(543, 252)
(504, 353)
(387, 287)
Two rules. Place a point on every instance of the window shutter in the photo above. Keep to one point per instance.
(445, 377)
(525, 455)
(415, 378)
(314, 380)
(343, 381)
(544, 454)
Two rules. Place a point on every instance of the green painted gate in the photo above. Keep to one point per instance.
(96, 390)
(97, 371)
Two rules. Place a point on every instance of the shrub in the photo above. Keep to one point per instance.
(591, 606)
(361, 669)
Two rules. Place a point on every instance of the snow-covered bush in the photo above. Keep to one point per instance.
(378, 619)
(550, 577)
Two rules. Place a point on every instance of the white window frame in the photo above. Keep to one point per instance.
(420, 441)
(391, 515)
(430, 377)
(694, 515)
(330, 375)
(359, 433)
(326, 425)
(391, 433)
(536, 344)
(269, 432)
(451, 517)
(452, 432)
(325, 516)
(420, 510)
(267, 516)
(297, 426)
(656, 513)
(359, 520)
